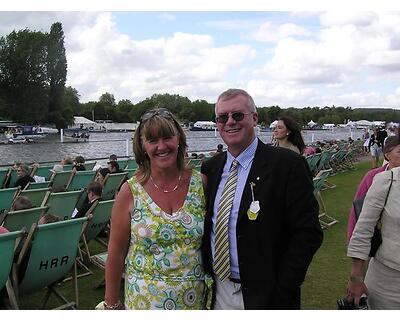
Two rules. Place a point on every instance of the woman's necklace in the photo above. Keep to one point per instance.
(167, 191)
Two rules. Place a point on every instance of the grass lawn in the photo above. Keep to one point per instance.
(326, 278)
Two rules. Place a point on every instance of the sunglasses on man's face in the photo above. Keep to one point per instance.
(162, 112)
(237, 116)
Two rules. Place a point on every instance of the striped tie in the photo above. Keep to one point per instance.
(222, 266)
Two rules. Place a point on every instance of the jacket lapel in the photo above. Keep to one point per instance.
(213, 180)
(259, 172)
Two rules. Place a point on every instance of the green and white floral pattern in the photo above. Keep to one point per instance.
(163, 266)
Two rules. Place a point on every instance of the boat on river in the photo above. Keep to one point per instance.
(202, 126)
(26, 132)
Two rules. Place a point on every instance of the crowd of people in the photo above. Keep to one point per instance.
(241, 233)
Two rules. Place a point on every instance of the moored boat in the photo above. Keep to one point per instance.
(202, 126)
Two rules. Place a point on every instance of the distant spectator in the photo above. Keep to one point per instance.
(49, 218)
(21, 203)
(308, 151)
(67, 160)
(101, 174)
(113, 157)
(23, 176)
(94, 191)
(194, 155)
(113, 166)
(220, 149)
(288, 134)
(79, 163)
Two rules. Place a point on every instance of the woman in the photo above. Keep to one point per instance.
(382, 280)
(365, 137)
(287, 133)
(391, 152)
(375, 147)
(157, 224)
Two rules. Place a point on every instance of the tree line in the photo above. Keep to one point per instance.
(33, 71)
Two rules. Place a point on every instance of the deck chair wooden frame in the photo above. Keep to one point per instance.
(8, 242)
(62, 204)
(325, 174)
(80, 180)
(38, 197)
(111, 184)
(16, 220)
(3, 176)
(7, 197)
(325, 220)
(53, 248)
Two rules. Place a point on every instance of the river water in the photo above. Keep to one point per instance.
(101, 145)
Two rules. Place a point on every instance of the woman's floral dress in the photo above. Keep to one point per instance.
(163, 266)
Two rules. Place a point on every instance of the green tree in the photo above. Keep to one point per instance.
(57, 75)
(23, 75)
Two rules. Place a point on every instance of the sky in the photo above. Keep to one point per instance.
(286, 58)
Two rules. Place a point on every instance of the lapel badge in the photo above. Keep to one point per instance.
(252, 212)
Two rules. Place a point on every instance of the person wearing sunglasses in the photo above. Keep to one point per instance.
(287, 133)
(261, 226)
(157, 224)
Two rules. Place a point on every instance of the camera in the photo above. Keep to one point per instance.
(343, 304)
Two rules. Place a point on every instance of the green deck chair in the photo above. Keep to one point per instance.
(131, 164)
(122, 164)
(60, 179)
(80, 180)
(325, 220)
(8, 243)
(53, 254)
(44, 171)
(111, 185)
(37, 185)
(3, 174)
(100, 216)
(62, 204)
(195, 162)
(312, 161)
(130, 172)
(90, 165)
(16, 220)
(7, 197)
(37, 197)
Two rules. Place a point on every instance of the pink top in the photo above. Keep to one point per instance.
(361, 191)
(3, 230)
(309, 150)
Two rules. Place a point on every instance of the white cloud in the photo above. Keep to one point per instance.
(268, 32)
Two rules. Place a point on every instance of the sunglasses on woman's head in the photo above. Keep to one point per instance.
(237, 116)
(156, 112)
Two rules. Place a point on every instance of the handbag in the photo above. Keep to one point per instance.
(376, 239)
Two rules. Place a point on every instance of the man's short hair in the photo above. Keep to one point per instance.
(232, 93)
(95, 187)
(113, 157)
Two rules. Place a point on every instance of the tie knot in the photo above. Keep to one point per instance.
(234, 164)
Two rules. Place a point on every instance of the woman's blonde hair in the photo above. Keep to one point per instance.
(157, 123)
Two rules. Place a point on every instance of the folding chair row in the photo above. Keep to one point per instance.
(17, 220)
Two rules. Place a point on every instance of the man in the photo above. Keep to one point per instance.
(94, 191)
(257, 247)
